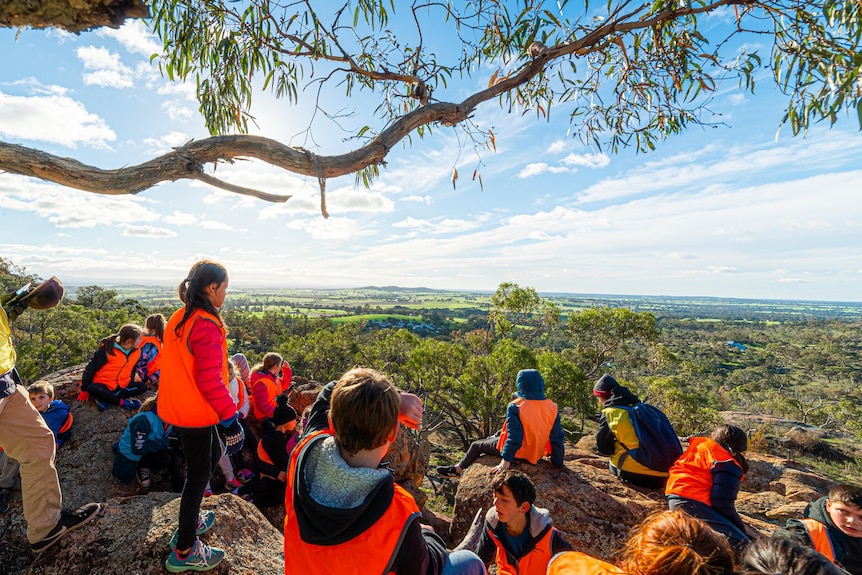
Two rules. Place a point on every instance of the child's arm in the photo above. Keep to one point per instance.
(99, 359)
(411, 410)
(726, 477)
(318, 418)
(558, 442)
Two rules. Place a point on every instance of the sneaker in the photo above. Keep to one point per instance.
(101, 405)
(245, 475)
(69, 521)
(4, 500)
(201, 558)
(231, 484)
(208, 492)
(206, 519)
(447, 471)
(143, 475)
(130, 404)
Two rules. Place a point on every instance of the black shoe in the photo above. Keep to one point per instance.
(447, 471)
(4, 500)
(69, 521)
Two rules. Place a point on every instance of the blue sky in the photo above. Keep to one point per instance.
(731, 211)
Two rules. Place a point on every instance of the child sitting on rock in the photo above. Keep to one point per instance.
(832, 525)
(518, 536)
(145, 445)
(265, 385)
(110, 376)
(273, 453)
(55, 413)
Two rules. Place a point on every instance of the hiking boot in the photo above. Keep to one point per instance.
(231, 484)
(143, 475)
(245, 475)
(69, 521)
(447, 471)
(130, 404)
(201, 558)
(4, 500)
(206, 519)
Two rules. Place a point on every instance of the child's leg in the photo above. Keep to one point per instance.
(226, 468)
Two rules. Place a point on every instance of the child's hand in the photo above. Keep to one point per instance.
(503, 466)
(282, 476)
(410, 413)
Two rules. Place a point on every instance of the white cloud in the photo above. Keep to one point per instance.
(557, 147)
(332, 229)
(419, 199)
(105, 68)
(539, 168)
(214, 225)
(587, 160)
(180, 219)
(177, 110)
(134, 36)
(147, 232)
(55, 119)
(164, 144)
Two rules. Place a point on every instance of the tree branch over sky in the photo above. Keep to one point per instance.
(627, 73)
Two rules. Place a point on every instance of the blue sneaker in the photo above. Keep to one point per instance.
(130, 404)
(201, 558)
(101, 405)
(206, 519)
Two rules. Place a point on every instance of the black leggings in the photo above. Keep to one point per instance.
(102, 393)
(202, 449)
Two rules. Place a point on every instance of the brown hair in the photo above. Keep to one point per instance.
(673, 543)
(771, 555)
(156, 323)
(269, 361)
(734, 440)
(126, 332)
(363, 409)
(519, 484)
(149, 404)
(41, 386)
(846, 493)
(192, 290)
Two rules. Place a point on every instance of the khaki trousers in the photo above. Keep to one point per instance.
(26, 437)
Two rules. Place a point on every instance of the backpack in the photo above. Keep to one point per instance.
(659, 445)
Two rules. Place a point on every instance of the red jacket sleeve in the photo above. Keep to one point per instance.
(206, 344)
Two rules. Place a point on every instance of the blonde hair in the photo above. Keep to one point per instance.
(673, 543)
(41, 386)
(363, 409)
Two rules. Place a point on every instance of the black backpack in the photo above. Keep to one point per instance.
(659, 445)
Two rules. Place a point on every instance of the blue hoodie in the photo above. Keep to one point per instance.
(531, 385)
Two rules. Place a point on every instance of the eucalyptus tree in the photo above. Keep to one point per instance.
(626, 72)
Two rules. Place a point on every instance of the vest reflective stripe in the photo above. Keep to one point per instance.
(117, 373)
(577, 563)
(691, 475)
(537, 419)
(533, 563)
(156, 362)
(7, 350)
(369, 553)
(272, 390)
(819, 538)
(180, 401)
(67, 425)
(624, 432)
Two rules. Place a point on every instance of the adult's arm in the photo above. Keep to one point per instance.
(99, 359)
(726, 477)
(558, 442)
(515, 433)
(206, 344)
(606, 443)
(318, 419)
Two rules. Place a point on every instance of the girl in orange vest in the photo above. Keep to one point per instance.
(666, 543)
(704, 481)
(149, 364)
(195, 399)
(110, 376)
(769, 555)
(265, 385)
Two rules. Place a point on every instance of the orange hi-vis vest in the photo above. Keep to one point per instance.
(117, 373)
(624, 432)
(156, 362)
(533, 563)
(819, 536)
(537, 420)
(264, 456)
(273, 388)
(577, 563)
(691, 475)
(369, 553)
(180, 401)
